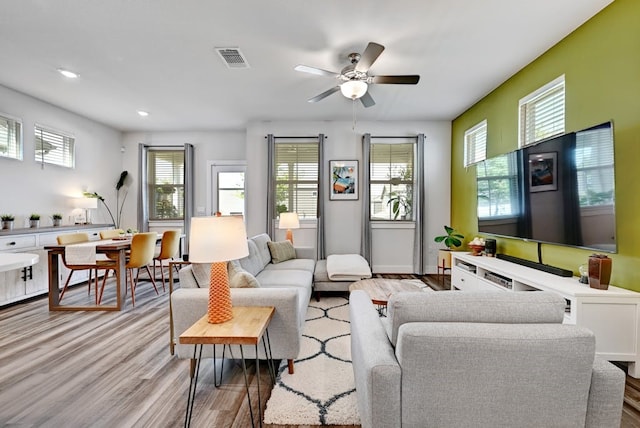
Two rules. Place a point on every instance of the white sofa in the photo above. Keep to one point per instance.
(286, 285)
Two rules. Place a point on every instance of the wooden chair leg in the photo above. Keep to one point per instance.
(153, 281)
(66, 284)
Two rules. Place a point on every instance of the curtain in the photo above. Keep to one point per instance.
(418, 209)
(271, 190)
(322, 179)
(365, 241)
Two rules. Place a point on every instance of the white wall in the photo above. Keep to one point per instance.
(342, 221)
(27, 188)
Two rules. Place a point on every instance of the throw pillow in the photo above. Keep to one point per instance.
(281, 251)
(240, 278)
(201, 273)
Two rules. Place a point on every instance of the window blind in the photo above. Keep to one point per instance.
(54, 147)
(594, 165)
(165, 170)
(296, 169)
(10, 138)
(541, 113)
(475, 144)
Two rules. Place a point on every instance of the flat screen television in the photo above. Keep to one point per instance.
(559, 191)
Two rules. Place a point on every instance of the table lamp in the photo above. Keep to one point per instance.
(289, 221)
(217, 240)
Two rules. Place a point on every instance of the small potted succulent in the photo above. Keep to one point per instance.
(34, 220)
(57, 219)
(7, 221)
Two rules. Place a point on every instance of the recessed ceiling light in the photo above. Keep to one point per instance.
(143, 113)
(67, 73)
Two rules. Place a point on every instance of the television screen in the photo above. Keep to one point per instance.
(559, 191)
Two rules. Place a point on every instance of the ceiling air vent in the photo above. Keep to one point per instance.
(232, 57)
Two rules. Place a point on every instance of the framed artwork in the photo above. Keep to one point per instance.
(543, 172)
(344, 180)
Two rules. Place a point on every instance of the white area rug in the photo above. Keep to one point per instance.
(322, 389)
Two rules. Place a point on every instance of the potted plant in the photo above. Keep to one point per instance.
(57, 219)
(34, 220)
(400, 203)
(7, 221)
(450, 240)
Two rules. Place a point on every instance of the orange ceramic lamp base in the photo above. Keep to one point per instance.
(289, 235)
(219, 308)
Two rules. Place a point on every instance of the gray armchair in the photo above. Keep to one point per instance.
(456, 359)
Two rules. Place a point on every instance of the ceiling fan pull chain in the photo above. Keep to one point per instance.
(353, 107)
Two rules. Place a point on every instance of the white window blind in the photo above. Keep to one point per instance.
(391, 181)
(296, 167)
(541, 114)
(54, 147)
(165, 170)
(10, 137)
(475, 144)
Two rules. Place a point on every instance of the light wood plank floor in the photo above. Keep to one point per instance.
(113, 369)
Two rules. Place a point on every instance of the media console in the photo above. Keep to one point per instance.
(613, 315)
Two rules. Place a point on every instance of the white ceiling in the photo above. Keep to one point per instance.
(158, 55)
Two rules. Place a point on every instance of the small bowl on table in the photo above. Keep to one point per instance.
(476, 250)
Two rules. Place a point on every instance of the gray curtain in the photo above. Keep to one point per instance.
(418, 208)
(365, 241)
(322, 179)
(271, 191)
(189, 192)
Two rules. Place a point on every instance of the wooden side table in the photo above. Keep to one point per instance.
(173, 264)
(247, 327)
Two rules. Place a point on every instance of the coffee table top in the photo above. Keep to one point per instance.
(380, 289)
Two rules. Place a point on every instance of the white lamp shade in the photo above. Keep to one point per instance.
(353, 89)
(217, 239)
(86, 203)
(289, 221)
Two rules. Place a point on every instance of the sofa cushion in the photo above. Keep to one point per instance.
(292, 278)
(201, 272)
(253, 262)
(293, 264)
(240, 278)
(281, 251)
(517, 307)
(261, 242)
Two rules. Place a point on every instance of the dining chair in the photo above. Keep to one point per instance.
(79, 238)
(143, 247)
(168, 249)
(111, 233)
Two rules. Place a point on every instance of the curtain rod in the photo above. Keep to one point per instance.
(388, 136)
(313, 136)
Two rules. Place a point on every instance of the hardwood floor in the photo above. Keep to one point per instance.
(113, 369)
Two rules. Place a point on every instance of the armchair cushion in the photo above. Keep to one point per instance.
(281, 251)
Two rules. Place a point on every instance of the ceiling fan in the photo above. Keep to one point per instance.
(354, 79)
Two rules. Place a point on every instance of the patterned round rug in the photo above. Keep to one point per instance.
(322, 389)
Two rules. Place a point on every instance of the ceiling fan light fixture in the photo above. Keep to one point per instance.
(353, 89)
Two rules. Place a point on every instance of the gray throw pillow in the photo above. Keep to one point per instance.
(281, 251)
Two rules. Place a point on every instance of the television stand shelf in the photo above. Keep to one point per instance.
(613, 315)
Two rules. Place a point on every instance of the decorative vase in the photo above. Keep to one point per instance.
(7, 224)
(34, 223)
(599, 271)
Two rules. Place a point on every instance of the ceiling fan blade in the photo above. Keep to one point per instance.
(316, 71)
(367, 100)
(398, 80)
(324, 95)
(368, 57)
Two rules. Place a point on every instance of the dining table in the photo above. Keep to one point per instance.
(114, 249)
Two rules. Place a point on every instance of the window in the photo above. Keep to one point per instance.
(296, 169)
(475, 144)
(594, 166)
(497, 180)
(391, 181)
(54, 147)
(230, 195)
(165, 181)
(541, 114)
(10, 137)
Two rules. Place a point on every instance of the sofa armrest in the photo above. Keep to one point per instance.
(375, 368)
(187, 280)
(190, 304)
(305, 253)
(606, 395)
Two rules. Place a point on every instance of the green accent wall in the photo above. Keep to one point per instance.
(601, 64)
